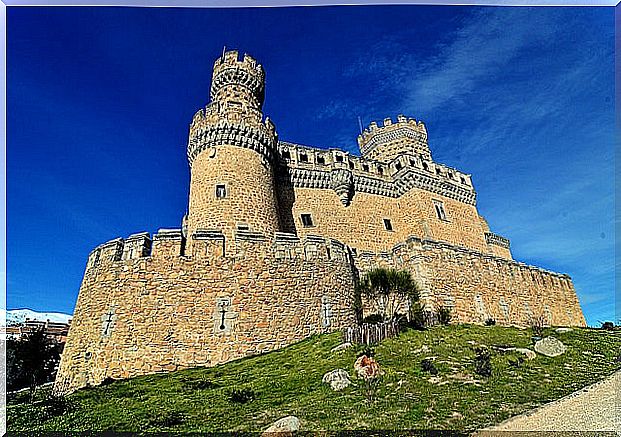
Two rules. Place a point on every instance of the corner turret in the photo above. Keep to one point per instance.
(231, 150)
(386, 142)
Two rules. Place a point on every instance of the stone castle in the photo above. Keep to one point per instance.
(275, 237)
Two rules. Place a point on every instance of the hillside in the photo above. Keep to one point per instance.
(250, 394)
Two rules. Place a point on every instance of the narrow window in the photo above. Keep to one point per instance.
(351, 165)
(304, 157)
(438, 171)
(440, 210)
(321, 160)
(425, 166)
(463, 181)
(307, 220)
(286, 154)
(339, 158)
(220, 191)
(388, 224)
(380, 170)
(365, 167)
(412, 162)
(450, 175)
(398, 166)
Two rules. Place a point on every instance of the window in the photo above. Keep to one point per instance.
(380, 170)
(304, 157)
(321, 160)
(463, 181)
(388, 224)
(439, 209)
(365, 167)
(339, 158)
(351, 165)
(398, 166)
(425, 166)
(412, 162)
(307, 220)
(286, 154)
(450, 175)
(220, 191)
(243, 227)
(438, 171)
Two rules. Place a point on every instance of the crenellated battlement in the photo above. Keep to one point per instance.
(310, 167)
(388, 139)
(238, 80)
(210, 244)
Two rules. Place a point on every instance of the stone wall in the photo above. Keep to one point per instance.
(249, 201)
(164, 311)
(478, 286)
(361, 223)
(143, 307)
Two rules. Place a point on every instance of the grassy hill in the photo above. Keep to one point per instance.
(250, 394)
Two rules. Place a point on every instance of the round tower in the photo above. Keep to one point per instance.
(231, 150)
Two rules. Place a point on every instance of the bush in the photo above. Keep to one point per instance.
(444, 315)
(417, 316)
(428, 366)
(241, 396)
(490, 322)
(608, 326)
(200, 384)
(516, 363)
(483, 362)
(167, 419)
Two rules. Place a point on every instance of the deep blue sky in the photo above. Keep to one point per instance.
(99, 101)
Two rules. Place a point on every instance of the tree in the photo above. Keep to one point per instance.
(389, 290)
(32, 360)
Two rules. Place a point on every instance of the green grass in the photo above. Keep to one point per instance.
(289, 382)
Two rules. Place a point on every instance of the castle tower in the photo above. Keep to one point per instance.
(386, 142)
(230, 152)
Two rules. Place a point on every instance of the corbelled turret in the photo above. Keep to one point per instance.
(384, 143)
(231, 149)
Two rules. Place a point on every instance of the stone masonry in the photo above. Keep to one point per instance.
(275, 237)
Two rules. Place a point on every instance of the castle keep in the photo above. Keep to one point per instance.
(276, 235)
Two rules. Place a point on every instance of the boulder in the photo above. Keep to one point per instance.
(563, 330)
(341, 347)
(550, 347)
(283, 427)
(337, 379)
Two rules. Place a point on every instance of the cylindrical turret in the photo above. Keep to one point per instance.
(230, 151)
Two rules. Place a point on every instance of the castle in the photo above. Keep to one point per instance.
(274, 239)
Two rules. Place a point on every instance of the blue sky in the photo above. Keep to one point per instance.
(99, 101)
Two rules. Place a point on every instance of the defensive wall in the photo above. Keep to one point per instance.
(149, 306)
(144, 309)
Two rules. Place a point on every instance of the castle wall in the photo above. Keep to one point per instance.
(480, 286)
(361, 223)
(250, 196)
(163, 312)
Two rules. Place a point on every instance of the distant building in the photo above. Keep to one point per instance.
(55, 330)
